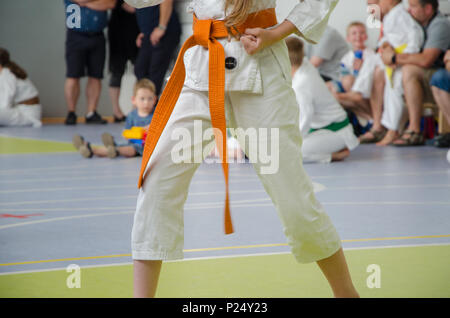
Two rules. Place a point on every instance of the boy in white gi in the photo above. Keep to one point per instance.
(327, 132)
(246, 84)
(357, 68)
(405, 35)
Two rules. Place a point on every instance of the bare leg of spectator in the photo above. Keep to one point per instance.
(442, 99)
(414, 95)
(71, 93)
(376, 105)
(356, 103)
(93, 89)
(114, 94)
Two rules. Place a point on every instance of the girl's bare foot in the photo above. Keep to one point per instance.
(340, 155)
(391, 135)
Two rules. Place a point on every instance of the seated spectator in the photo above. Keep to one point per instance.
(402, 34)
(85, 50)
(144, 99)
(440, 86)
(327, 132)
(122, 33)
(354, 89)
(418, 68)
(327, 54)
(19, 98)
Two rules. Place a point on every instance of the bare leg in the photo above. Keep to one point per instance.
(442, 99)
(100, 151)
(114, 94)
(126, 151)
(376, 98)
(391, 135)
(336, 272)
(414, 94)
(146, 275)
(93, 89)
(340, 155)
(71, 93)
(376, 104)
(356, 103)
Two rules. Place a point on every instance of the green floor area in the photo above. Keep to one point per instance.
(12, 145)
(404, 272)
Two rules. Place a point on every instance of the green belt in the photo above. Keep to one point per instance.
(333, 126)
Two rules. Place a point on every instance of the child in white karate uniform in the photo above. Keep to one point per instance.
(357, 69)
(327, 132)
(405, 35)
(19, 98)
(258, 94)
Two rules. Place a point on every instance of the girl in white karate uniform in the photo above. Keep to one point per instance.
(405, 35)
(326, 130)
(19, 101)
(258, 94)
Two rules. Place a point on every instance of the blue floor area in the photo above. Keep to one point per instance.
(62, 206)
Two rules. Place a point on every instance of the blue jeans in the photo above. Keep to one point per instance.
(441, 80)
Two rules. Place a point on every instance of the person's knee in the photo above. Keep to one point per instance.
(411, 73)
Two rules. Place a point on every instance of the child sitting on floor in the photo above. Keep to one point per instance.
(327, 132)
(144, 99)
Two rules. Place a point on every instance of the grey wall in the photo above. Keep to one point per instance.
(34, 31)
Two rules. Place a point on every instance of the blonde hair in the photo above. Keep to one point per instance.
(239, 12)
(144, 83)
(295, 49)
(356, 23)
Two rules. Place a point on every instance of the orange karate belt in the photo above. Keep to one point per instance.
(206, 33)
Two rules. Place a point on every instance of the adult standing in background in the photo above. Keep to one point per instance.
(122, 33)
(160, 34)
(85, 49)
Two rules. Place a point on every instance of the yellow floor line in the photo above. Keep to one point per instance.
(225, 248)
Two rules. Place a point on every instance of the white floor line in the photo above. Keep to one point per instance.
(131, 186)
(219, 257)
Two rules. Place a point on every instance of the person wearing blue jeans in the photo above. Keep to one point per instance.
(440, 86)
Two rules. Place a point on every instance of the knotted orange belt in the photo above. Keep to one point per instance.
(206, 33)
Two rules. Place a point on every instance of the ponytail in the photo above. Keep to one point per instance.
(13, 67)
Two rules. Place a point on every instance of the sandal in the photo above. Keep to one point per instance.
(377, 136)
(414, 139)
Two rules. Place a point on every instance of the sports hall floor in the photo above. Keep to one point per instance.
(390, 205)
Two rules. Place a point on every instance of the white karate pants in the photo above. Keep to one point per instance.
(21, 115)
(158, 230)
(393, 101)
(319, 145)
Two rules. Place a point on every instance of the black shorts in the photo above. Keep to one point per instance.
(85, 52)
(122, 48)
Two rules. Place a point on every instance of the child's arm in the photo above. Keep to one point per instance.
(308, 19)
